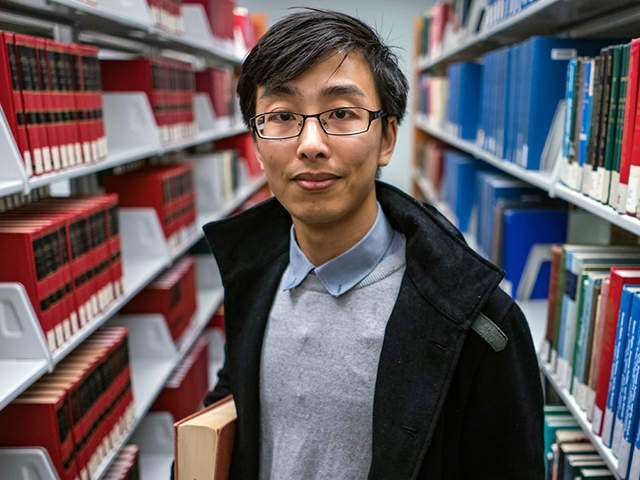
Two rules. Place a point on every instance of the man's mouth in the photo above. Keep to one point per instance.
(315, 181)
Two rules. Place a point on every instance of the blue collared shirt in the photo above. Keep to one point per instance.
(341, 274)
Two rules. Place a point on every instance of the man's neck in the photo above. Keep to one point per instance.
(323, 242)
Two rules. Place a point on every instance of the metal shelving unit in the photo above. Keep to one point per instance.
(573, 18)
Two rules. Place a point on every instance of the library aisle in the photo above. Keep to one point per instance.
(121, 137)
(525, 127)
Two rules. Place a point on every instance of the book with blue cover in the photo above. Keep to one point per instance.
(522, 230)
(630, 411)
(585, 123)
(617, 365)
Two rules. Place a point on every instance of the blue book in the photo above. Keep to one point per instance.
(522, 230)
(547, 64)
(469, 80)
(568, 117)
(502, 145)
(617, 366)
(630, 412)
(499, 188)
(585, 124)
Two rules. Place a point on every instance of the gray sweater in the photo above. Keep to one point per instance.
(317, 376)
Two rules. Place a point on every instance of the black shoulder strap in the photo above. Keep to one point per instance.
(490, 332)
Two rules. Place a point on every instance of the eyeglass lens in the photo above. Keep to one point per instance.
(341, 121)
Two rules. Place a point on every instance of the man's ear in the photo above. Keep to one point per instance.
(388, 143)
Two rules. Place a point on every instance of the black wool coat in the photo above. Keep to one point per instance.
(446, 404)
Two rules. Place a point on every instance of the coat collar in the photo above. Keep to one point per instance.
(438, 259)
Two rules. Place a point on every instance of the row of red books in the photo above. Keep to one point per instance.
(167, 189)
(185, 390)
(81, 411)
(167, 14)
(126, 465)
(220, 85)
(169, 86)
(172, 294)
(220, 16)
(66, 254)
(51, 96)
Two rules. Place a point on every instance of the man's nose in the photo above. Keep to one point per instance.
(313, 141)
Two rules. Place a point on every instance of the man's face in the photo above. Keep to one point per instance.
(322, 178)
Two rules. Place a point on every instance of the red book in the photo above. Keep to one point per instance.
(41, 421)
(629, 124)
(83, 104)
(556, 255)
(70, 103)
(36, 262)
(619, 278)
(25, 48)
(44, 81)
(185, 390)
(115, 251)
(172, 295)
(11, 99)
(86, 55)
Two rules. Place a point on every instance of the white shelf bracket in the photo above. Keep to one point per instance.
(26, 464)
(155, 434)
(129, 122)
(196, 26)
(205, 115)
(208, 272)
(142, 235)
(13, 175)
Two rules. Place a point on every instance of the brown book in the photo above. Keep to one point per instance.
(204, 442)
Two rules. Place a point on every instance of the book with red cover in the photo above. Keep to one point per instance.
(185, 390)
(82, 100)
(82, 260)
(619, 278)
(63, 112)
(41, 421)
(91, 70)
(629, 124)
(25, 47)
(11, 99)
(44, 80)
(172, 294)
(71, 101)
(556, 255)
(36, 262)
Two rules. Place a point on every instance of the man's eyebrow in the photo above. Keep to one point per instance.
(341, 90)
(280, 91)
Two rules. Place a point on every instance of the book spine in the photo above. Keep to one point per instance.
(629, 124)
(622, 99)
(611, 124)
(47, 100)
(604, 118)
(594, 133)
(631, 408)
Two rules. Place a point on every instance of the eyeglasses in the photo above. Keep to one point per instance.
(337, 121)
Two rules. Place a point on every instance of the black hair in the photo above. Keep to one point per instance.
(295, 43)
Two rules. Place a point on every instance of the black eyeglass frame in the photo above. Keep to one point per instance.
(373, 115)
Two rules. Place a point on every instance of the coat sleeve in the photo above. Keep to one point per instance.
(223, 387)
(503, 421)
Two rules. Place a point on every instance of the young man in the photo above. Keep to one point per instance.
(364, 338)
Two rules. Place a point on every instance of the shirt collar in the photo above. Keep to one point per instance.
(342, 273)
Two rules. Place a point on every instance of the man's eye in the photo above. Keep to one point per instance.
(342, 114)
(281, 117)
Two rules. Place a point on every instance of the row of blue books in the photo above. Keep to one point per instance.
(521, 89)
(463, 105)
(509, 218)
(500, 10)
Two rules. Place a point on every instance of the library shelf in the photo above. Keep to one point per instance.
(139, 139)
(131, 20)
(154, 438)
(581, 417)
(544, 17)
(540, 179)
(24, 354)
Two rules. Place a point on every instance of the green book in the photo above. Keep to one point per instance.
(622, 102)
(612, 121)
(607, 58)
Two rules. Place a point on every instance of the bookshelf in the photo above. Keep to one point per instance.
(572, 19)
(544, 17)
